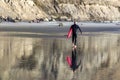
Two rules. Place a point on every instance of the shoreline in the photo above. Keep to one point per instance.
(55, 36)
(52, 29)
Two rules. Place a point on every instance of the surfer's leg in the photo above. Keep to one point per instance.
(73, 40)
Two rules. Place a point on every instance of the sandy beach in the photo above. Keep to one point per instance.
(52, 29)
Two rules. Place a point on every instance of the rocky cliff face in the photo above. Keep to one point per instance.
(76, 9)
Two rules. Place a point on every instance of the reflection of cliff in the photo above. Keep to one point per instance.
(37, 59)
(81, 9)
(104, 50)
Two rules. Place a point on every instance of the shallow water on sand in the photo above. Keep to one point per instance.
(44, 58)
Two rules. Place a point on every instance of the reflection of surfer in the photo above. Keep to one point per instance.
(73, 60)
(74, 64)
(74, 33)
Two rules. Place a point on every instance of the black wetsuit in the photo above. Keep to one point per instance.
(74, 33)
(74, 65)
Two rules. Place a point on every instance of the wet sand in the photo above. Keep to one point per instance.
(53, 30)
(26, 54)
(53, 27)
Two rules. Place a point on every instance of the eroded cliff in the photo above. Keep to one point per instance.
(75, 9)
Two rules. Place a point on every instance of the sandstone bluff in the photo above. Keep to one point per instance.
(54, 9)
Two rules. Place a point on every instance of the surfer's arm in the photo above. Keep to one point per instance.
(80, 29)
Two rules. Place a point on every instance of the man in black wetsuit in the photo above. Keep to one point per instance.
(75, 27)
(74, 64)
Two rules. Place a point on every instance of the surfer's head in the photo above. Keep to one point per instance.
(75, 21)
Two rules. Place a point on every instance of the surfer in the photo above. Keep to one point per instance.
(75, 27)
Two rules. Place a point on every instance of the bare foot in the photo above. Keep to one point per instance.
(75, 46)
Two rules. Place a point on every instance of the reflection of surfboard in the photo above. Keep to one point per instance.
(69, 33)
(68, 59)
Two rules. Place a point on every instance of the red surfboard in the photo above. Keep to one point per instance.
(69, 33)
(68, 59)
